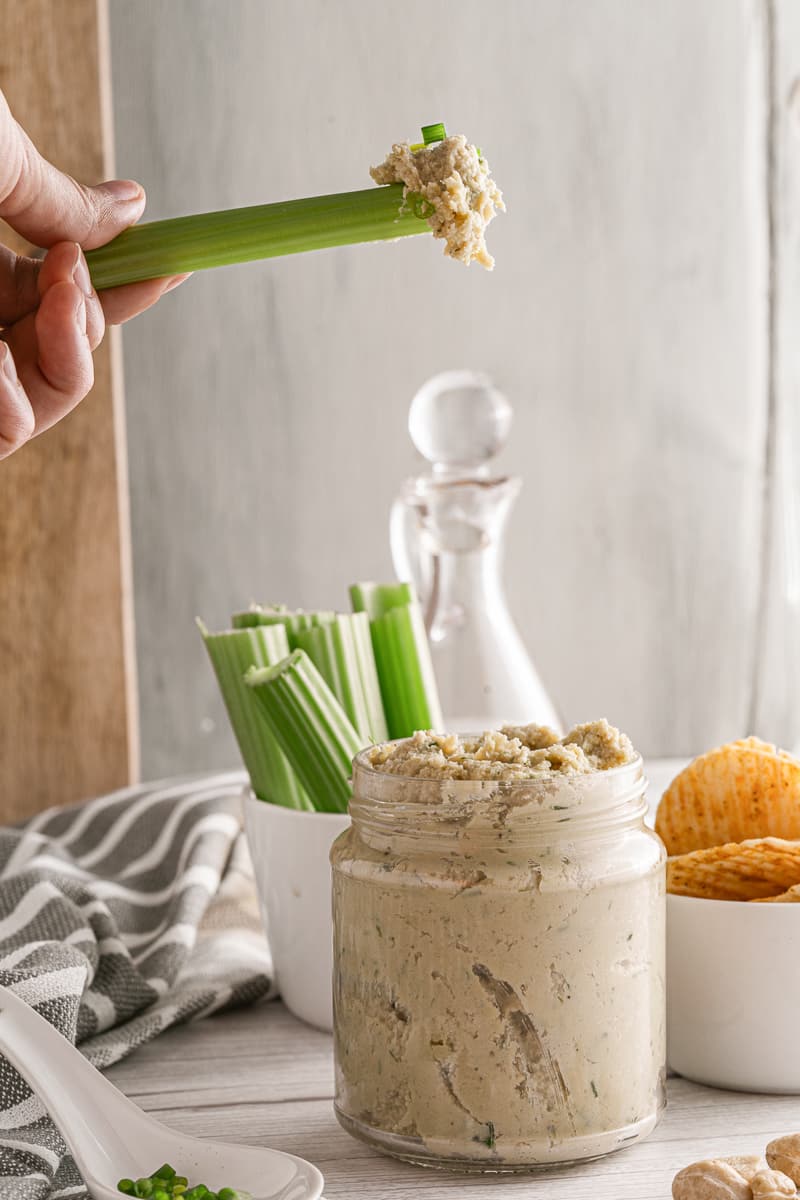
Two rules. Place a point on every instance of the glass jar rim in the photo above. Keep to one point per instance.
(495, 810)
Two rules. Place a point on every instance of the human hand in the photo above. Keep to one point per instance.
(51, 319)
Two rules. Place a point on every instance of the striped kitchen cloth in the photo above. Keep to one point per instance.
(120, 918)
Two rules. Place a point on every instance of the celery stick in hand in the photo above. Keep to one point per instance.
(441, 185)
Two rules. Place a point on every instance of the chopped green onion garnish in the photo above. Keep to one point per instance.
(232, 653)
(402, 655)
(165, 1184)
(311, 728)
(217, 239)
(433, 133)
(420, 206)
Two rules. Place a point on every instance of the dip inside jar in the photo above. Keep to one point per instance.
(499, 950)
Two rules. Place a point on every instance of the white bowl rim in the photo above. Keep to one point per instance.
(728, 904)
(290, 814)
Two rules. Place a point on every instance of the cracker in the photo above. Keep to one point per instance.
(743, 790)
(758, 868)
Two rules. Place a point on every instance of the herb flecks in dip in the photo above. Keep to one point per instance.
(452, 176)
(515, 752)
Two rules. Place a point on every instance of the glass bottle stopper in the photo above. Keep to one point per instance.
(459, 421)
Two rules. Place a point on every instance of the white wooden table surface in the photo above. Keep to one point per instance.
(261, 1077)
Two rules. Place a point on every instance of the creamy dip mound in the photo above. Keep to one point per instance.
(453, 177)
(513, 752)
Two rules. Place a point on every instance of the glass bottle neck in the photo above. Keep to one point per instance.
(465, 587)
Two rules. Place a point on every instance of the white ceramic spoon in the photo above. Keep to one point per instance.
(111, 1139)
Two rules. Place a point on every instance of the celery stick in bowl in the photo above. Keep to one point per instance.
(232, 653)
(402, 655)
(441, 186)
(340, 646)
(311, 728)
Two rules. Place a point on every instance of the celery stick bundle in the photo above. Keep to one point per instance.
(305, 692)
(340, 647)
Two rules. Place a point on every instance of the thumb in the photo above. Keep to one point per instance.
(45, 206)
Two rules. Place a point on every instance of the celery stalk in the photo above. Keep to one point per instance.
(217, 239)
(342, 652)
(340, 647)
(402, 655)
(278, 614)
(232, 653)
(310, 726)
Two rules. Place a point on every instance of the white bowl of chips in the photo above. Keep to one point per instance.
(731, 824)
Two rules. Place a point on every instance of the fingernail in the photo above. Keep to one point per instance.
(175, 282)
(123, 189)
(80, 274)
(7, 364)
(80, 315)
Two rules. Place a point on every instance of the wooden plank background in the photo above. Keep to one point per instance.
(67, 707)
(628, 319)
(776, 697)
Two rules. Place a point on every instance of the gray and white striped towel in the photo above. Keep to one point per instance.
(118, 919)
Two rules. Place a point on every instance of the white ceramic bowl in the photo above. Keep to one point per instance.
(733, 985)
(290, 859)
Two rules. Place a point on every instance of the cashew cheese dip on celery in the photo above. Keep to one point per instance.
(499, 949)
(450, 177)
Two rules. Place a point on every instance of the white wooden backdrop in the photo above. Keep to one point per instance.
(640, 318)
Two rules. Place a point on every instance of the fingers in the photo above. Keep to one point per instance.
(45, 360)
(17, 421)
(19, 285)
(46, 356)
(47, 206)
(52, 354)
(65, 263)
(122, 303)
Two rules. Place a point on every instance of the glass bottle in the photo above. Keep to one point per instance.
(498, 983)
(446, 533)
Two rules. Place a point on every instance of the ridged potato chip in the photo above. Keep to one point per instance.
(749, 870)
(790, 897)
(743, 790)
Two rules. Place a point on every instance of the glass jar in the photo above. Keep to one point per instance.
(498, 968)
